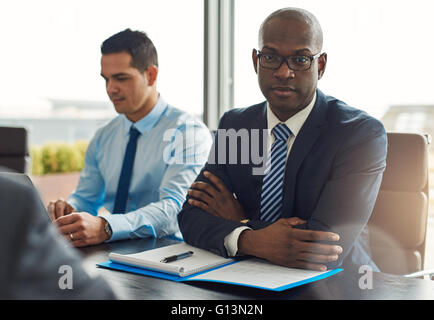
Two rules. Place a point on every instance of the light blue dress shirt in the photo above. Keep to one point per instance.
(172, 148)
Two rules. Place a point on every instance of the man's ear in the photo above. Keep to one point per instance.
(152, 73)
(322, 62)
(255, 60)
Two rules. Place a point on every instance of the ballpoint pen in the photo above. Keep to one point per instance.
(177, 257)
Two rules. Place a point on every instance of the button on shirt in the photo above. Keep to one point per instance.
(295, 123)
(171, 150)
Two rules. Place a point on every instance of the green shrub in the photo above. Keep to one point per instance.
(36, 156)
(56, 157)
(81, 147)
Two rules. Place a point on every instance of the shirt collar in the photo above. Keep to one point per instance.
(295, 122)
(147, 122)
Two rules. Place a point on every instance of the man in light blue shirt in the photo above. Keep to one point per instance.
(165, 152)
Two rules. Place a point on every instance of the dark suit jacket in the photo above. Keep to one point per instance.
(332, 177)
(33, 253)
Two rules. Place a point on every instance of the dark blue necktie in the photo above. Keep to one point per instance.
(272, 185)
(126, 172)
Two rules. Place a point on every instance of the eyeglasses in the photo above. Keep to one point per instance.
(295, 63)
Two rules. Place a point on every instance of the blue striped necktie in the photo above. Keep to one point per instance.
(126, 172)
(272, 185)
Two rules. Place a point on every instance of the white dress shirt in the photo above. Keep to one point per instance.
(295, 123)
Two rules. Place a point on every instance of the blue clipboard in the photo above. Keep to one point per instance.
(176, 278)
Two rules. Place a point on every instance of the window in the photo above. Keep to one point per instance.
(378, 51)
(50, 60)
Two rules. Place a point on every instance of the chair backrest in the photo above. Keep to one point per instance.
(14, 150)
(399, 220)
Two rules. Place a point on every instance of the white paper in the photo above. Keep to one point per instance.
(258, 273)
(199, 261)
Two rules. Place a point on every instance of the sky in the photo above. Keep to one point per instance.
(379, 51)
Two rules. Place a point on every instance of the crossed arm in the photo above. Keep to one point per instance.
(342, 211)
(280, 242)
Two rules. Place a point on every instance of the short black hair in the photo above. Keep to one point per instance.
(137, 44)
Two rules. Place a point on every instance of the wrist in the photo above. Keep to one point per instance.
(107, 230)
(246, 242)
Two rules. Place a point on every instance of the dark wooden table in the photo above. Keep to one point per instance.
(342, 286)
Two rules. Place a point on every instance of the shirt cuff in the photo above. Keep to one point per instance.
(73, 203)
(231, 241)
(122, 229)
(80, 206)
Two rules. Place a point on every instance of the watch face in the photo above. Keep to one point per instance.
(107, 229)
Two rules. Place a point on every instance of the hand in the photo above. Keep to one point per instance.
(59, 208)
(82, 229)
(215, 200)
(284, 245)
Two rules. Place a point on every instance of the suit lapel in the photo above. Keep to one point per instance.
(260, 119)
(314, 127)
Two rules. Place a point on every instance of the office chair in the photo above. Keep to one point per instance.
(14, 150)
(398, 223)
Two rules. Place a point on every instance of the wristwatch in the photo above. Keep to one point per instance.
(107, 229)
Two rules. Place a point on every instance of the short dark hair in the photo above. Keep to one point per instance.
(137, 44)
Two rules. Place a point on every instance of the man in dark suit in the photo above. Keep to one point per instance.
(310, 207)
(36, 262)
